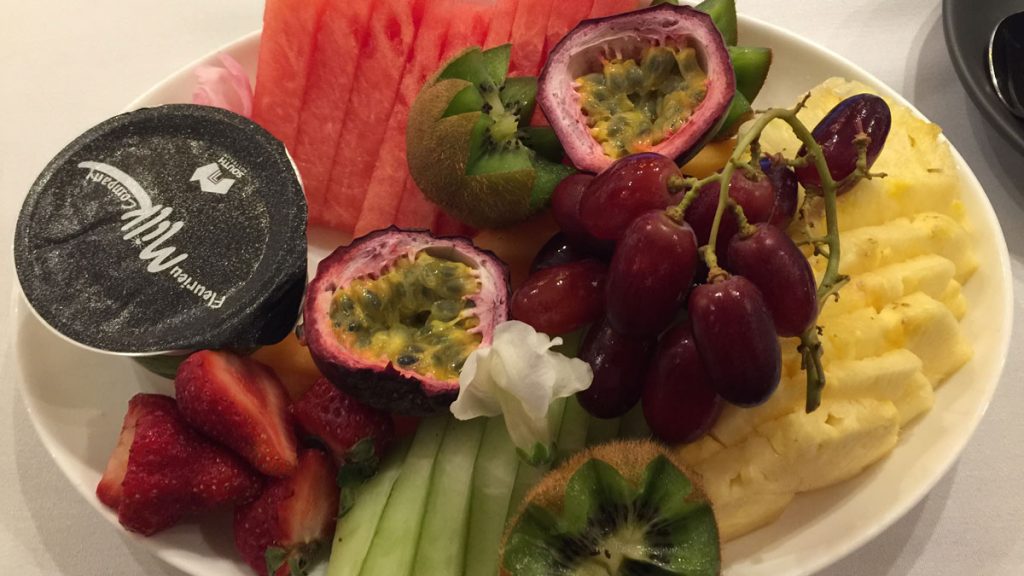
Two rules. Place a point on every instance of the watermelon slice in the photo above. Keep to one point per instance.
(326, 101)
(286, 49)
(604, 8)
(501, 25)
(385, 52)
(385, 191)
(528, 33)
(562, 21)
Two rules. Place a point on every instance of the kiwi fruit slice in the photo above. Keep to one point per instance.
(470, 147)
(622, 508)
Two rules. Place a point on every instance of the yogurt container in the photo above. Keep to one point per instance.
(166, 230)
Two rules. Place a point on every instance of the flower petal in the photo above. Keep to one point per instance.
(226, 86)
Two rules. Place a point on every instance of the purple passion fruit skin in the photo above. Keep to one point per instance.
(628, 37)
(397, 384)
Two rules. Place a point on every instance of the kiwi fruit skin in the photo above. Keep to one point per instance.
(629, 457)
(438, 153)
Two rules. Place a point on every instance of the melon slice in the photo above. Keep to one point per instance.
(286, 48)
(385, 52)
(326, 102)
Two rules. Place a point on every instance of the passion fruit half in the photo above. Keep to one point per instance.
(391, 318)
(654, 80)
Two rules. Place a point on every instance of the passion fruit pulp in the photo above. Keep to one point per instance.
(391, 318)
(658, 79)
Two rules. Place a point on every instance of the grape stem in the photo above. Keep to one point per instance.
(810, 346)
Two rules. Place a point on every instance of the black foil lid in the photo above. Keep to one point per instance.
(169, 228)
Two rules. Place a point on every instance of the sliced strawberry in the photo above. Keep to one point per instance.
(174, 472)
(109, 488)
(240, 403)
(342, 422)
(279, 531)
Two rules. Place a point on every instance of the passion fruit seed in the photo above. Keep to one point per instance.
(631, 106)
(412, 315)
(469, 147)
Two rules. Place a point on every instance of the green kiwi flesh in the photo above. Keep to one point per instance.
(622, 508)
(469, 146)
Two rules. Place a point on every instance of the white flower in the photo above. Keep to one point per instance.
(519, 376)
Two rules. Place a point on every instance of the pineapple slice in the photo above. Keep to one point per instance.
(872, 247)
(930, 331)
(832, 443)
(928, 273)
(750, 483)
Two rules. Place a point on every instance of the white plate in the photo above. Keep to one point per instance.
(78, 419)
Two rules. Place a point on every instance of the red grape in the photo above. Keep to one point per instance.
(835, 133)
(784, 185)
(619, 363)
(756, 196)
(556, 251)
(565, 208)
(736, 340)
(628, 188)
(678, 401)
(650, 274)
(773, 263)
(561, 299)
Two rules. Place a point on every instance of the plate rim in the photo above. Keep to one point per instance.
(173, 556)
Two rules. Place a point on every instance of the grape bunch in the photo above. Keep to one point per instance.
(686, 284)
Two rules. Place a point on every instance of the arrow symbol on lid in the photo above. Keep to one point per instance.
(211, 179)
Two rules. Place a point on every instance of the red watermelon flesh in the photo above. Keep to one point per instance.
(386, 48)
(469, 28)
(286, 48)
(564, 19)
(501, 23)
(604, 8)
(385, 191)
(528, 32)
(330, 84)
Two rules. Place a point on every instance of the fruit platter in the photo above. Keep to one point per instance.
(821, 404)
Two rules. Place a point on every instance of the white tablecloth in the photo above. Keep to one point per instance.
(65, 65)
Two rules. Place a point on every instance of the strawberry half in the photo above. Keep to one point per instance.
(109, 488)
(279, 531)
(172, 471)
(240, 403)
(342, 423)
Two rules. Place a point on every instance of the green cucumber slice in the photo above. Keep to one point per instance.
(391, 552)
(442, 544)
(602, 430)
(573, 435)
(528, 476)
(634, 425)
(493, 477)
(354, 533)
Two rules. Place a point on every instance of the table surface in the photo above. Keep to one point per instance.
(67, 65)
